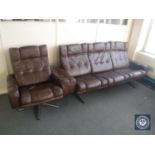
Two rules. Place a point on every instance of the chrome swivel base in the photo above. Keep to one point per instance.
(37, 109)
(79, 98)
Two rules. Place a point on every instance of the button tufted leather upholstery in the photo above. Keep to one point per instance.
(98, 65)
(30, 64)
(31, 82)
(119, 55)
(64, 80)
(99, 56)
(74, 59)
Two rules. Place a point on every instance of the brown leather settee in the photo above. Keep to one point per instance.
(95, 66)
(31, 83)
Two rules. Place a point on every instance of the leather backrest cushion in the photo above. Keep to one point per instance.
(119, 55)
(99, 56)
(74, 59)
(30, 64)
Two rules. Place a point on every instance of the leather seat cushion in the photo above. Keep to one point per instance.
(87, 82)
(40, 93)
(111, 76)
(132, 73)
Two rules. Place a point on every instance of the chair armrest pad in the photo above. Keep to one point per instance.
(13, 91)
(65, 81)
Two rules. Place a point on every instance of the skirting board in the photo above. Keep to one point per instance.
(148, 82)
(3, 91)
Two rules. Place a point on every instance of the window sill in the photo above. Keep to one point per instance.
(146, 54)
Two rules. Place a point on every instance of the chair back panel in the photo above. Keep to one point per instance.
(30, 64)
(74, 59)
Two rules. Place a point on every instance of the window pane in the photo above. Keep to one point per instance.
(150, 45)
(116, 21)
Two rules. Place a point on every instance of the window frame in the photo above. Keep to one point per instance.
(148, 35)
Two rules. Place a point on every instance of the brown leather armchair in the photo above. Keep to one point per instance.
(31, 84)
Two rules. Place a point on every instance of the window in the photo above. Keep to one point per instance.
(103, 21)
(93, 21)
(116, 21)
(150, 40)
(147, 38)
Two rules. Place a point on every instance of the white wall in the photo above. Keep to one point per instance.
(76, 33)
(146, 59)
(16, 34)
(112, 32)
(134, 36)
(3, 71)
(135, 47)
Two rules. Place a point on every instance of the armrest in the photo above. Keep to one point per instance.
(13, 91)
(135, 65)
(65, 81)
